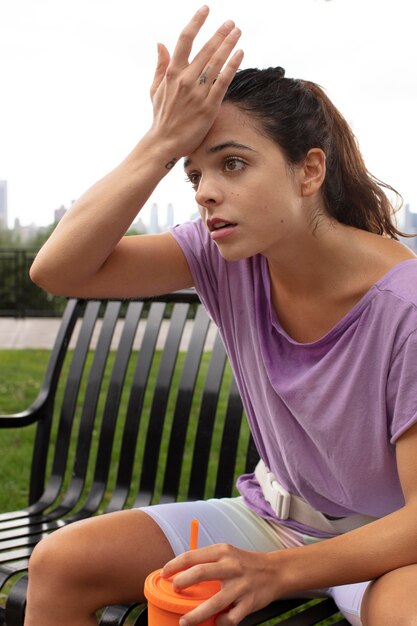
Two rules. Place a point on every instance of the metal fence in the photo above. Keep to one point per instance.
(19, 296)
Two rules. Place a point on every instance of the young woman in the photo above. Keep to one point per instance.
(296, 259)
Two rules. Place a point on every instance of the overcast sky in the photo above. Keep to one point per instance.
(75, 76)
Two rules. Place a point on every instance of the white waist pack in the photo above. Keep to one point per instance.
(286, 505)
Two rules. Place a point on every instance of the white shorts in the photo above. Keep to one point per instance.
(229, 520)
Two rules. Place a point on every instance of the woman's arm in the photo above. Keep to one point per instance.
(87, 254)
(251, 580)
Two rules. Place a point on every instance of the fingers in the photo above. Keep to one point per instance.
(212, 607)
(219, 562)
(182, 563)
(188, 559)
(209, 73)
(200, 573)
(215, 44)
(212, 56)
(161, 67)
(224, 78)
(229, 606)
(188, 34)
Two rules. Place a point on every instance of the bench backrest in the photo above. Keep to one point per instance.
(138, 405)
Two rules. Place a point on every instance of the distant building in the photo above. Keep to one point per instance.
(409, 226)
(170, 216)
(154, 223)
(3, 204)
(25, 233)
(59, 213)
(139, 226)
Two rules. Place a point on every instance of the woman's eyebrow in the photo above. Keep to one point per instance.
(219, 147)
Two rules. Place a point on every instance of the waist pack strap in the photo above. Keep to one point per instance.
(286, 505)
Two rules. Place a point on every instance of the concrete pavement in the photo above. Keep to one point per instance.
(28, 332)
(40, 333)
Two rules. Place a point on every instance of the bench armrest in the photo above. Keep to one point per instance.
(28, 416)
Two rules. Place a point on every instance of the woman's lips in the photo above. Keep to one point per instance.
(220, 228)
(221, 233)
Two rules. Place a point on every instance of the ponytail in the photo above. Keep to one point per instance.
(298, 116)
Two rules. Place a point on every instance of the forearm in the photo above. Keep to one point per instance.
(91, 229)
(362, 554)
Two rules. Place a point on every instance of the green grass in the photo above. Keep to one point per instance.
(21, 374)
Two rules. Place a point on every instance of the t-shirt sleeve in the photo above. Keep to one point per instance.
(204, 261)
(402, 389)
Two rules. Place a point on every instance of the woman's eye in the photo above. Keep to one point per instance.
(233, 164)
(194, 179)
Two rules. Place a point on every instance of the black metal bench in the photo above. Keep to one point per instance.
(138, 405)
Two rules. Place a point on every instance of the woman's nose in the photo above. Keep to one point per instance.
(208, 192)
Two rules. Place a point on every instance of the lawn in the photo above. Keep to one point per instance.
(21, 373)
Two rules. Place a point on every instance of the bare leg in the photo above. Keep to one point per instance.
(392, 599)
(90, 564)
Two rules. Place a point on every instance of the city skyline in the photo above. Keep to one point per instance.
(159, 218)
(405, 216)
(406, 221)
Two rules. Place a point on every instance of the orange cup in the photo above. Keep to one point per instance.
(166, 605)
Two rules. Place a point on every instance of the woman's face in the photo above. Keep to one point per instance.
(247, 195)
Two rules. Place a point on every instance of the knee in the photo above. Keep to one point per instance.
(391, 600)
(54, 560)
(386, 611)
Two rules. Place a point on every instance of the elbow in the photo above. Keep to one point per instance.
(46, 278)
(36, 275)
(57, 277)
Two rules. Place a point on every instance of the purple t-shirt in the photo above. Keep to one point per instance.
(324, 415)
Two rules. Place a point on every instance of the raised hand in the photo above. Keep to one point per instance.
(186, 95)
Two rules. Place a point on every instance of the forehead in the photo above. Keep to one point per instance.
(232, 125)
(231, 116)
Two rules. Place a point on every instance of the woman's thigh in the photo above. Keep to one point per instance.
(112, 554)
(227, 520)
(348, 599)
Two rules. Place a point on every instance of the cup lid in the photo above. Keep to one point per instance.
(160, 592)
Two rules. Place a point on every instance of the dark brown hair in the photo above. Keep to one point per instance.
(298, 116)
